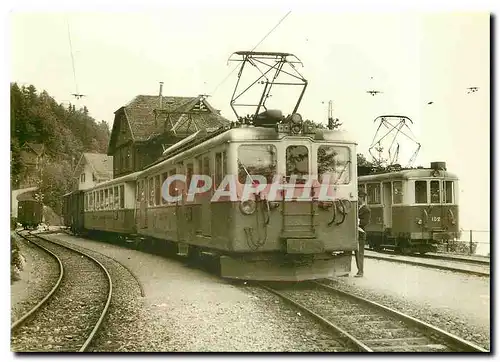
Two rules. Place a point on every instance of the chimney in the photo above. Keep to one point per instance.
(161, 96)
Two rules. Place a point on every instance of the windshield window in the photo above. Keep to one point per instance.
(333, 161)
(421, 192)
(297, 161)
(256, 160)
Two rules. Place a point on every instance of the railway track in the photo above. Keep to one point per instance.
(463, 266)
(367, 326)
(69, 316)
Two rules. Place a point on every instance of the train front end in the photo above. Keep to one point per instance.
(295, 217)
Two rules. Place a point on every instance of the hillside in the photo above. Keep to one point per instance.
(64, 131)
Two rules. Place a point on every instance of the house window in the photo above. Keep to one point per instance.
(82, 178)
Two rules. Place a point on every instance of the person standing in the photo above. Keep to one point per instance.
(364, 214)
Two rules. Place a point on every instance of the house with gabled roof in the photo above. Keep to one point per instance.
(147, 125)
(31, 155)
(91, 169)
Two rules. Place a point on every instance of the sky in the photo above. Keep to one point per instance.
(412, 57)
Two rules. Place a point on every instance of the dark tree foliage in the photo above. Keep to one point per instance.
(64, 131)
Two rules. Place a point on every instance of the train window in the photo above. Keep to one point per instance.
(151, 192)
(106, 199)
(297, 161)
(333, 162)
(117, 198)
(91, 201)
(122, 196)
(224, 163)
(256, 160)
(421, 192)
(199, 164)
(373, 193)
(164, 177)
(142, 196)
(218, 170)
(448, 192)
(157, 190)
(173, 185)
(101, 195)
(397, 192)
(435, 192)
(206, 166)
(189, 175)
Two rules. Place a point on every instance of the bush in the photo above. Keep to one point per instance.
(16, 259)
(457, 246)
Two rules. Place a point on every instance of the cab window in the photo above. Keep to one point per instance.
(397, 192)
(373, 193)
(448, 192)
(421, 192)
(297, 161)
(435, 192)
(333, 161)
(256, 160)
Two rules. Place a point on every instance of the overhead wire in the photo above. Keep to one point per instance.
(72, 58)
(260, 42)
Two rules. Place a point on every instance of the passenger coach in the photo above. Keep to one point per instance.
(412, 210)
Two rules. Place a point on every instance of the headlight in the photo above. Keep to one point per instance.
(419, 221)
(296, 118)
(247, 207)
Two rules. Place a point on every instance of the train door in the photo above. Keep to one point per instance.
(387, 200)
(438, 215)
(206, 208)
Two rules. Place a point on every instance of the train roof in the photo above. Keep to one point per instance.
(253, 134)
(115, 181)
(407, 174)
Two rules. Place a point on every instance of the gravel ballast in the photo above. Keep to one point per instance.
(39, 274)
(64, 323)
(454, 302)
(186, 309)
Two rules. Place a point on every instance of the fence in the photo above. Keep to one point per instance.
(468, 242)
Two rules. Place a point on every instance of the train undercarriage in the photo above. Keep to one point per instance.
(273, 266)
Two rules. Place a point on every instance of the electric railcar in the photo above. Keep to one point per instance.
(411, 210)
(285, 238)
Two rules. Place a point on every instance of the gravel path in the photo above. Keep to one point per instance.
(187, 309)
(66, 320)
(455, 302)
(38, 276)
